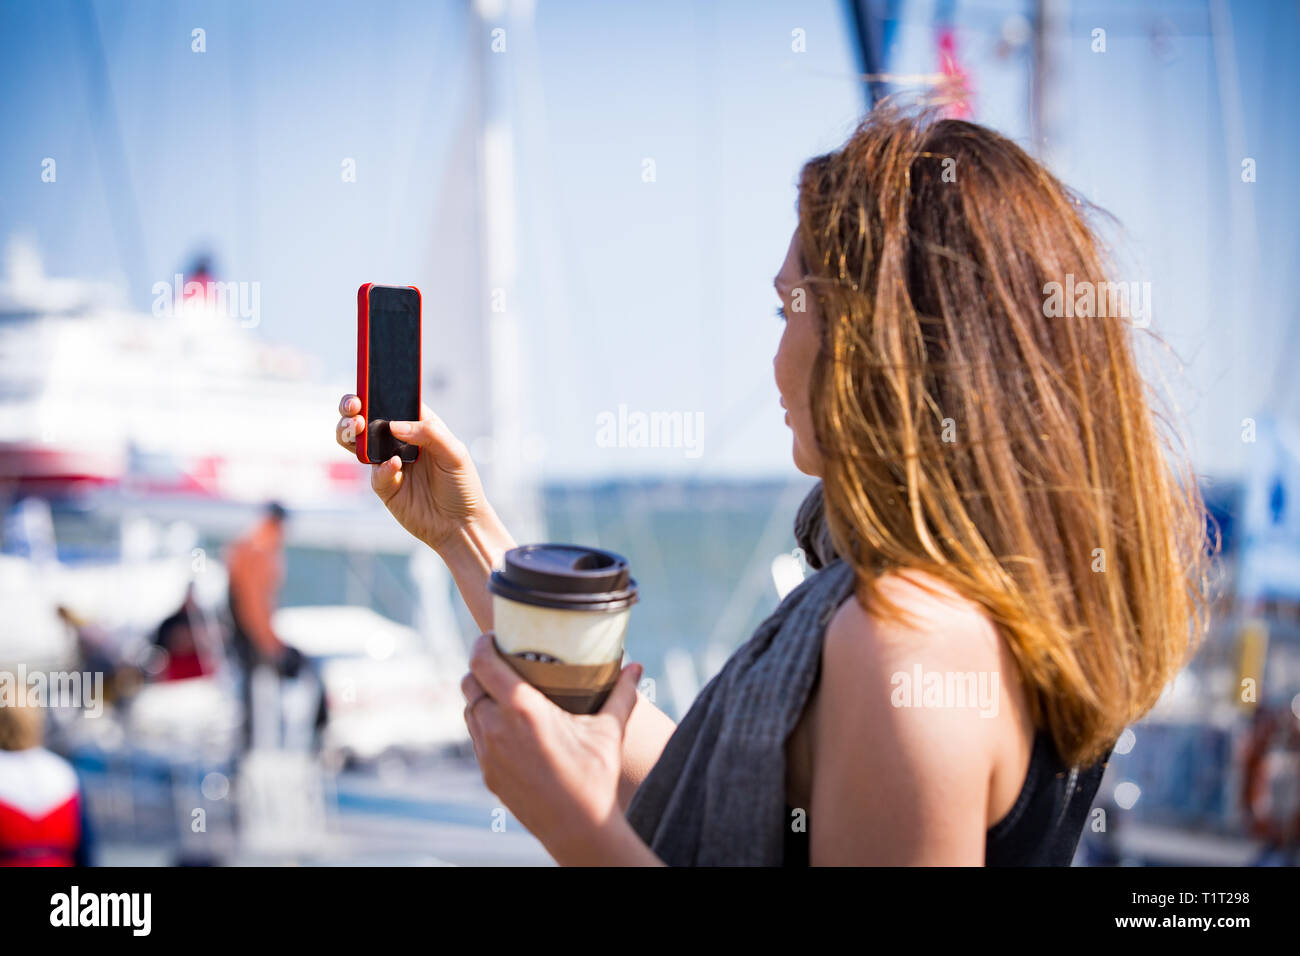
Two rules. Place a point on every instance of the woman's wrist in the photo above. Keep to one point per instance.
(613, 843)
(471, 552)
(481, 540)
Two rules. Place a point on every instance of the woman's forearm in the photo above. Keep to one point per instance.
(470, 556)
(648, 730)
(614, 844)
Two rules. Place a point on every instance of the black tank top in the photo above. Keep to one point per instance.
(1042, 828)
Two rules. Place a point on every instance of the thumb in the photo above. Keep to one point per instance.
(432, 433)
(622, 698)
(386, 478)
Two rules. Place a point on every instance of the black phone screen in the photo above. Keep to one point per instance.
(394, 375)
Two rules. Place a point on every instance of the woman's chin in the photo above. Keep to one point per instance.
(804, 462)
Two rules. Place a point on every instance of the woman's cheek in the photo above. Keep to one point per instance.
(808, 458)
(780, 366)
(800, 402)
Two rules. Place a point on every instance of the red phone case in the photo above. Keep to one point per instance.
(363, 363)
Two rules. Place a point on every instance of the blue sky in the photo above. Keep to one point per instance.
(652, 295)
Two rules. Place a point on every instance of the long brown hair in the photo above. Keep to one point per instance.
(967, 434)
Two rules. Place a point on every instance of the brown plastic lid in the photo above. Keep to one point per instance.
(565, 576)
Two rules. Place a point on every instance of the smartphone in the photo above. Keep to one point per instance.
(388, 368)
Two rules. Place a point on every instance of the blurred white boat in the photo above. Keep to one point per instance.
(385, 691)
(93, 394)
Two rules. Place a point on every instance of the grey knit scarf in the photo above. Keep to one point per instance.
(717, 795)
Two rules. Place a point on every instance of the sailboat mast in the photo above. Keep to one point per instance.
(1044, 99)
(866, 34)
(500, 57)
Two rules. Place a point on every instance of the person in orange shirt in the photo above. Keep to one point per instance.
(255, 565)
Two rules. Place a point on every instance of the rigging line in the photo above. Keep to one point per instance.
(119, 194)
(1243, 223)
(1283, 392)
(1046, 100)
(558, 214)
(866, 34)
(743, 412)
(753, 579)
(418, 164)
(241, 104)
(641, 531)
(710, 154)
(901, 79)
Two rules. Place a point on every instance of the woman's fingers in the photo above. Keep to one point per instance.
(622, 698)
(471, 688)
(432, 433)
(498, 678)
(350, 425)
(347, 430)
(386, 478)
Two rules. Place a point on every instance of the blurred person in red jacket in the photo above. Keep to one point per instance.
(184, 638)
(42, 814)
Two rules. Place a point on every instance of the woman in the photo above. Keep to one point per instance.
(1008, 571)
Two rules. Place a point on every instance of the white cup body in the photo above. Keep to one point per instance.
(573, 657)
(570, 637)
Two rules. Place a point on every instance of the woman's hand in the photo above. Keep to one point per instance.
(557, 772)
(439, 499)
(434, 496)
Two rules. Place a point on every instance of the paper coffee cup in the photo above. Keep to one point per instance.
(560, 614)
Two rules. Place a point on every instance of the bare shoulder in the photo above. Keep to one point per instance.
(941, 627)
(901, 775)
(933, 703)
(898, 677)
